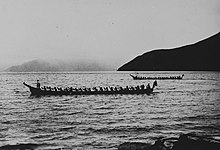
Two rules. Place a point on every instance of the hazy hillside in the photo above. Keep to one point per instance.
(58, 66)
(203, 55)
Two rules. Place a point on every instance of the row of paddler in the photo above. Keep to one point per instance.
(96, 89)
(157, 78)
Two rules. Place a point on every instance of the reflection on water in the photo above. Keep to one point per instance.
(105, 121)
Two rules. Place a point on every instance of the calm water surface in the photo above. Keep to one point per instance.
(105, 121)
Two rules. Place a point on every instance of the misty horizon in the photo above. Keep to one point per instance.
(60, 65)
(77, 64)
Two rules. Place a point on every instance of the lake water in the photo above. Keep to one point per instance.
(105, 121)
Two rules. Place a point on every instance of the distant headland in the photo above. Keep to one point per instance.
(40, 65)
(201, 56)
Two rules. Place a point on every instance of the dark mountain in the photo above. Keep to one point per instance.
(201, 56)
(57, 66)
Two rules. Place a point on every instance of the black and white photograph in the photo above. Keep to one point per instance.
(109, 74)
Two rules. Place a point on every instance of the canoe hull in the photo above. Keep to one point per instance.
(39, 92)
(135, 77)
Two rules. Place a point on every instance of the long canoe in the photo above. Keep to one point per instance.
(102, 91)
(136, 77)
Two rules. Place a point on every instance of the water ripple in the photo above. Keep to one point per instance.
(103, 122)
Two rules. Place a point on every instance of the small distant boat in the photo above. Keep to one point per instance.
(137, 77)
(142, 89)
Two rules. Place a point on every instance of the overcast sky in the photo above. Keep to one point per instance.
(114, 31)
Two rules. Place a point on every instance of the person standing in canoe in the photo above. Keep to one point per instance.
(38, 84)
(154, 84)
